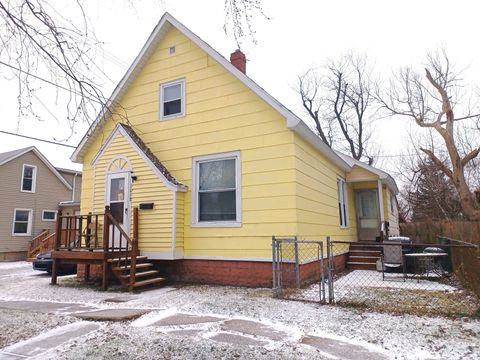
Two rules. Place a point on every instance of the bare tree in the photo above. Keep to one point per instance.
(432, 101)
(239, 16)
(341, 102)
(39, 45)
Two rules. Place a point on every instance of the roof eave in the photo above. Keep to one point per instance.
(306, 133)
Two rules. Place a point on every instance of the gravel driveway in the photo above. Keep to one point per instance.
(284, 329)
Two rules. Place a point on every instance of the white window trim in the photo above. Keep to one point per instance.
(49, 220)
(34, 178)
(182, 91)
(29, 225)
(238, 199)
(345, 200)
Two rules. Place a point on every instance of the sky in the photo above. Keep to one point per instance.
(297, 36)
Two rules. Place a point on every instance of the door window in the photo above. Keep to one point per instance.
(117, 198)
(368, 209)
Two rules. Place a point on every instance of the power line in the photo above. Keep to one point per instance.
(50, 82)
(38, 139)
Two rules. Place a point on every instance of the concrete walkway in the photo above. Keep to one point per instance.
(241, 332)
(45, 307)
(49, 340)
(234, 331)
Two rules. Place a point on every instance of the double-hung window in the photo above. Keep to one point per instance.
(342, 202)
(29, 174)
(172, 99)
(216, 192)
(22, 222)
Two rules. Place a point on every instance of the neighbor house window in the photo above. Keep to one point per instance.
(22, 222)
(393, 202)
(28, 178)
(216, 194)
(49, 215)
(342, 202)
(172, 99)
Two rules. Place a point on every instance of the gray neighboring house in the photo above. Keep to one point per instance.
(32, 191)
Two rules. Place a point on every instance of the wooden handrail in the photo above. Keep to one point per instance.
(35, 245)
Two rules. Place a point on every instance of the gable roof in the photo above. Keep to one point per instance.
(11, 155)
(144, 151)
(166, 22)
(384, 177)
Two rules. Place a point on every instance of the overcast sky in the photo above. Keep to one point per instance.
(298, 35)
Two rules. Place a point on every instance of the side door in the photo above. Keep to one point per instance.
(118, 198)
(368, 214)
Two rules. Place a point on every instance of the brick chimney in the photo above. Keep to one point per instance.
(239, 60)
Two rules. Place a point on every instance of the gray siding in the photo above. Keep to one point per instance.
(75, 182)
(49, 191)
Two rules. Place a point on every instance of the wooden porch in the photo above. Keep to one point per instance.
(98, 239)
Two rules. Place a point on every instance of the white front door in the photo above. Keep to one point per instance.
(368, 219)
(118, 198)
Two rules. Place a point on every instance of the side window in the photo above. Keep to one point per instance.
(22, 222)
(216, 192)
(172, 100)
(49, 215)
(29, 174)
(342, 202)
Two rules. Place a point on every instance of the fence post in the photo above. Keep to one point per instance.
(329, 272)
(274, 275)
(297, 265)
(322, 269)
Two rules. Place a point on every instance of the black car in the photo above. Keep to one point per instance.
(43, 262)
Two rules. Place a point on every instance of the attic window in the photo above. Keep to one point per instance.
(172, 99)
(171, 50)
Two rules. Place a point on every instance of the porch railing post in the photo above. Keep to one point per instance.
(58, 231)
(88, 232)
(106, 228)
(134, 252)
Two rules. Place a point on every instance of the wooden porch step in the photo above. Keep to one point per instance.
(354, 265)
(139, 266)
(156, 280)
(365, 252)
(140, 257)
(363, 259)
(141, 274)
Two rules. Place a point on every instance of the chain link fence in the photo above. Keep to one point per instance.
(393, 275)
(298, 269)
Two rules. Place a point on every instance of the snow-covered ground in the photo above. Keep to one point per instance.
(396, 336)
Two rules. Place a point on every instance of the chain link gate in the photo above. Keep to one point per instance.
(298, 269)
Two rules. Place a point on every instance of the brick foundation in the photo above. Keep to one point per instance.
(13, 256)
(235, 273)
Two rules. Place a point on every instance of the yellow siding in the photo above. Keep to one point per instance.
(155, 226)
(222, 115)
(317, 196)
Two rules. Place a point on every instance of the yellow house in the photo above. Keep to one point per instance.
(217, 166)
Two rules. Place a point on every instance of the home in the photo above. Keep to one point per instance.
(32, 191)
(199, 166)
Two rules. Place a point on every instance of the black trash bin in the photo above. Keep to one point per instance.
(446, 261)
